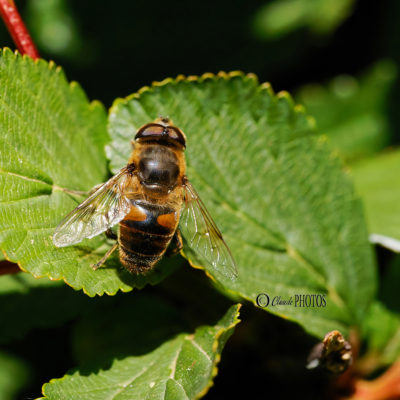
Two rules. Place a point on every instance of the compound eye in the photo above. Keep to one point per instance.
(176, 135)
(158, 131)
(150, 130)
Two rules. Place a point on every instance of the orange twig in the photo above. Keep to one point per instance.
(385, 387)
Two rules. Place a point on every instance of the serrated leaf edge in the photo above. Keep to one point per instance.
(73, 86)
(217, 358)
(286, 96)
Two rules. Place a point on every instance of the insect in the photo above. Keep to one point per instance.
(152, 201)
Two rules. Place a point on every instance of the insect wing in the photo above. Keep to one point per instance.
(203, 235)
(104, 208)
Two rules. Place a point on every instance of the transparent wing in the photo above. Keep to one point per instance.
(103, 209)
(203, 235)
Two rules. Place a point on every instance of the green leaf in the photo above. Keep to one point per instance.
(52, 144)
(282, 202)
(182, 368)
(381, 329)
(14, 375)
(377, 182)
(25, 305)
(352, 112)
(281, 17)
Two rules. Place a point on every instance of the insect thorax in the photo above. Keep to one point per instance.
(158, 168)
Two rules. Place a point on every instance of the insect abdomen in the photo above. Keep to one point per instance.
(145, 234)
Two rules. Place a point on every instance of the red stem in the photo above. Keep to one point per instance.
(17, 28)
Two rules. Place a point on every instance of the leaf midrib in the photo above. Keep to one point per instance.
(54, 187)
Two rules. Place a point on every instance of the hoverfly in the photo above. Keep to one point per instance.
(149, 197)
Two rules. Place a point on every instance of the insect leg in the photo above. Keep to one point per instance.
(82, 192)
(176, 244)
(104, 258)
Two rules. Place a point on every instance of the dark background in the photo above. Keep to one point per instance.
(118, 47)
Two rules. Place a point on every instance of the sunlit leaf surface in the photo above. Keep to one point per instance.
(279, 197)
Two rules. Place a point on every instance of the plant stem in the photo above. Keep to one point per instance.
(17, 28)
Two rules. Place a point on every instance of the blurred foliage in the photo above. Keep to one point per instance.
(377, 182)
(279, 17)
(24, 305)
(381, 330)
(353, 112)
(14, 375)
(54, 27)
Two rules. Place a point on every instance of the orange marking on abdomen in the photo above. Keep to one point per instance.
(136, 214)
(167, 220)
